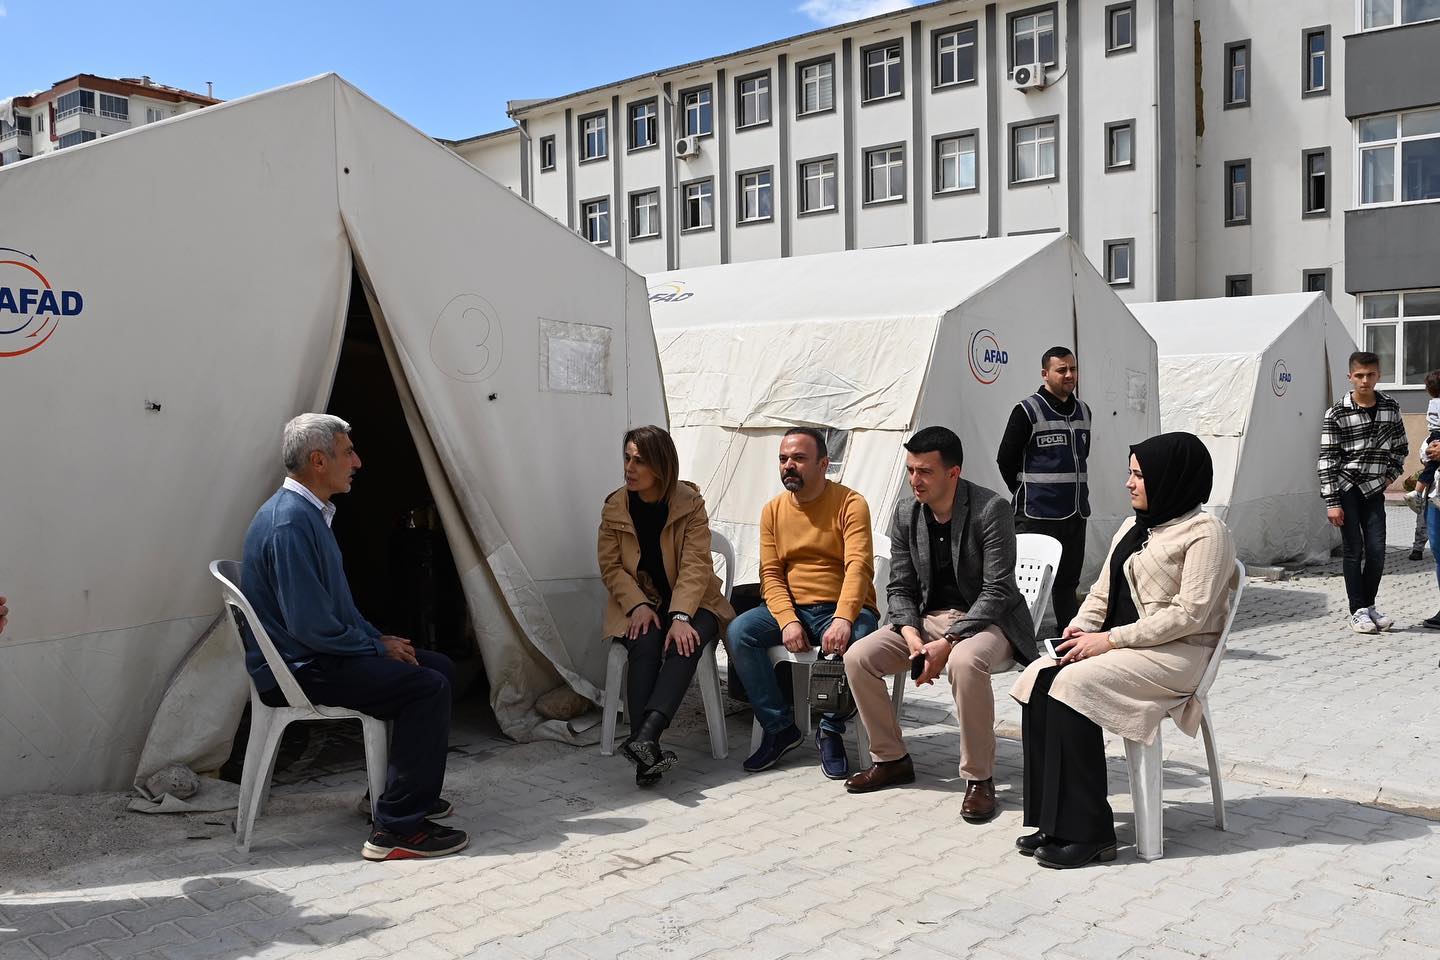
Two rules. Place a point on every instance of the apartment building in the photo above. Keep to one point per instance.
(84, 107)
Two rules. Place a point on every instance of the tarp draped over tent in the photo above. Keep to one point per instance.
(873, 344)
(1252, 376)
(214, 252)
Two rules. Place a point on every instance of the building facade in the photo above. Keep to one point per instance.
(83, 108)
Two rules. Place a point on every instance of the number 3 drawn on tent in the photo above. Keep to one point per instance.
(465, 343)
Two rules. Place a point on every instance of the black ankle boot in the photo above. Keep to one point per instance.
(643, 748)
(652, 726)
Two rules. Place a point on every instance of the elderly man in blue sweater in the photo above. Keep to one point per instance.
(294, 578)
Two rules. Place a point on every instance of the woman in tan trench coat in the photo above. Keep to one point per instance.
(1133, 654)
(665, 602)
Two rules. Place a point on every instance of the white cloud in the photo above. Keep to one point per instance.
(830, 12)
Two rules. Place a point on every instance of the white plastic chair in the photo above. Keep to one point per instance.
(707, 675)
(1037, 557)
(267, 723)
(1147, 775)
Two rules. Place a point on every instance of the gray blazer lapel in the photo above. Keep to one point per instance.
(920, 542)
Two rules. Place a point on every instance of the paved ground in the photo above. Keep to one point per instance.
(569, 860)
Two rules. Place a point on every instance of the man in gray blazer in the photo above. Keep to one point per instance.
(954, 606)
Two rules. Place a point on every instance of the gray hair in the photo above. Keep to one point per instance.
(306, 434)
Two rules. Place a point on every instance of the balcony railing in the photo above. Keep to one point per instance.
(71, 111)
(115, 115)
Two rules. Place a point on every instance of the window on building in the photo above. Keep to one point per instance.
(753, 101)
(883, 72)
(78, 136)
(1399, 151)
(116, 108)
(595, 215)
(1382, 13)
(547, 153)
(699, 212)
(817, 185)
(594, 137)
(885, 174)
(20, 126)
(1237, 74)
(1404, 330)
(1237, 285)
(1119, 27)
(13, 155)
(1032, 152)
(644, 124)
(757, 197)
(1237, 192)
(1119, 262)
(40, 123)
(1032, 37)
(955, 166)
(1317, 60)
(645, 215)
(699, 112)
(76, 101)
(1120, 145)
(1317, 281)
(817, 87)
(1316, 167)
(954, 56)
(155, 114)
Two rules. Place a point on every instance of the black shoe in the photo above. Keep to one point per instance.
(1059, 855)
(644, 779)
(773, 746)
(1028, 844)
(1432, 623)
(439, 810)
(1417, 554)
(833, 760)
(431, 840)
(647, 756)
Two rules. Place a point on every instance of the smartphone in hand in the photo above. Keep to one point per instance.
(1048, 646)
(917, 666)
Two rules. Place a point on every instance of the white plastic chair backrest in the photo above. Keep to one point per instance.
(228, 573)
(718, 544)
(882, 573)
(1219, 653)
(1033, 553)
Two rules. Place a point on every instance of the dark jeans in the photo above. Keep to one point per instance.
(656, 678)
(1363, 537)
(1066, 793)
(415, 699)
(754, 632)
(1071, 534)
(1432, 526)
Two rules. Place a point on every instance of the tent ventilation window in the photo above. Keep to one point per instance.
(837, 442)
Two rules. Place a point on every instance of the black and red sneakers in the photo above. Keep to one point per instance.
(431, 840)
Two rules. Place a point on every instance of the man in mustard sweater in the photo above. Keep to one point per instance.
(817, 576)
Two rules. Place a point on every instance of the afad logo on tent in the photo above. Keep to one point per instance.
(1280, 378)
(672, 291)
(30, 306)
(986, 357)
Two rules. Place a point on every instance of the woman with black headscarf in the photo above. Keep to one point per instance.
(1133, 654)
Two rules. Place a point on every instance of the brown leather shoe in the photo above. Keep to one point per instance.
(979, 805)
(884, 773)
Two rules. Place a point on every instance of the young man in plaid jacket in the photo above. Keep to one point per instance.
(1362, 451)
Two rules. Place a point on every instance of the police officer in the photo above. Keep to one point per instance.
(1042, 460)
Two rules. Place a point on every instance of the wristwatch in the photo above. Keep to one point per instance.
(680, 617)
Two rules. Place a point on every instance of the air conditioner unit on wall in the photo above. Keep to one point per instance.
(1030, 76)
(687, 147)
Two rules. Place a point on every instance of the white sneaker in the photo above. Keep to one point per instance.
(1360, 622)
(1415, 499)
(1379, 619)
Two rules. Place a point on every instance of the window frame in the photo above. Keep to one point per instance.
(1111, 48)
(682, 95)
(1230, 219)
(865, 154)
(1012, 130)
(1397, 146)
(580, 121)
(1129, 244)
(654, 104)
(866, 99)
(79, 93)
(630, 215)
(609, 220)
(1228, 76)
(800, 165)
(740, 101)
(800, 112)
(685, 205)
(974, 134)
(1398, 322)
(1327, 272)
(550, 139)
(1233, 278)
(935, 35)
(1109, 166)
(86, 136)
(1398, 20)
(1010, 18)
(1324, 212)
(112, 114)
(740, 175)
(1305, 89)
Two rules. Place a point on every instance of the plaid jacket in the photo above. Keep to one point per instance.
(1358, 453)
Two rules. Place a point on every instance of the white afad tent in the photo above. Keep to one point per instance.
(170, 296)
(1252, 376)
(871, 345)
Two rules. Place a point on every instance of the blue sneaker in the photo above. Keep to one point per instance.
(773, 746)
(833, 759)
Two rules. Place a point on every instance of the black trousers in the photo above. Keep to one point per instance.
(1071, 534)
(416, 699)
(656, 678)
(1363, 538)
(1066, 794)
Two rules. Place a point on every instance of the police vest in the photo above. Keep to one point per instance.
(1053, 482)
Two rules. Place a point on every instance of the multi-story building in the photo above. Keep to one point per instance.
(84, 107)
(1195, 148)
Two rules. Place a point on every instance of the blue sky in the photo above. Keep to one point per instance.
(447, 67)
